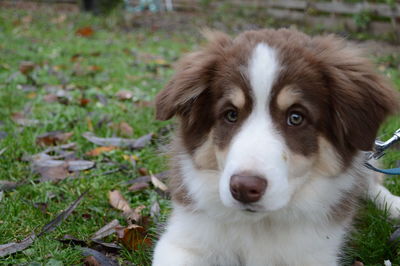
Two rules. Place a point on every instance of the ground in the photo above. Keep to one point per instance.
(72, 72)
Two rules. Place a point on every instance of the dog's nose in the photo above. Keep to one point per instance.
(247, 189)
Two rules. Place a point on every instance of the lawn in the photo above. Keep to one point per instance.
(76, 73)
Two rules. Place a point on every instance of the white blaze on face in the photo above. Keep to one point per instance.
(257, 147)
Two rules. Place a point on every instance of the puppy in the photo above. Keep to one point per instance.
(268, 156)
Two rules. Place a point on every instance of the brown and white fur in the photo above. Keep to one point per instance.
(281, 115)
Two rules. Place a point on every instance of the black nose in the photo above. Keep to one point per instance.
(247, 188)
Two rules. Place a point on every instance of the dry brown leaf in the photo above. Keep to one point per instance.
(95, 68)
(106, 230)
(123, 129)
(135, 215)
(76, 57)
(145, 103)
(99, 257)
(143, 171)
(124, 95)
(53, 138)
(50, 98)
(83, 102)
(118, 201)
(26, 67)
(138, 187)
(85, 32)
(100, 150)
(91, 261)
(158, 184)
(53, 173)
(133, 237)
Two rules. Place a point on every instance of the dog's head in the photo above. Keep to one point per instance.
(270, 110)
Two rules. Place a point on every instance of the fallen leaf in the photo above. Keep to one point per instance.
(100, 150)
(157, 183)
(118, 201)
(163, 175)
(50, 98)
(123, 129)
(52, 172)
(91, 261)
(99, 257)
(69, 239)
(83, 102)
(106, 230)
(145, 103)
(109, 246)
(79, 165)
(119, 142)
(138, 187)
(53, 138)
(143, 141)
(6, 185)
(62, 216)
(14, 247)
(143, 171)
(95, 68)
(85, 32)
(135, 216)
(124, 95)
(133, 237)
(26, 67)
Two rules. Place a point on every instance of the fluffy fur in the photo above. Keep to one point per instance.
(313, 170)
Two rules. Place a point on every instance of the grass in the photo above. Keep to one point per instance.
(136, 60)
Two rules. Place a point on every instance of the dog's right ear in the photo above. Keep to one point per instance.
(193, 75)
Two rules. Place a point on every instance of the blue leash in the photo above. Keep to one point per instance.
(392, 171)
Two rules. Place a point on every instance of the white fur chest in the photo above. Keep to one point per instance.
(209, 241)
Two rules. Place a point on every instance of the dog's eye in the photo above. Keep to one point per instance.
(295, 119)
(231, 116)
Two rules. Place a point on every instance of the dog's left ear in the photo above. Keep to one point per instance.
(192, 77)
(361, 98)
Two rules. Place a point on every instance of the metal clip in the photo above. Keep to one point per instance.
(381, 146)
